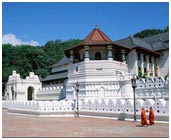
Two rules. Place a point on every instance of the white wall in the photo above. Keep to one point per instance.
(164, 63)
(21, 86)
(91, 105)
(132, 61)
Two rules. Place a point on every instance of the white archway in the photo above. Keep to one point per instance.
(30, 93)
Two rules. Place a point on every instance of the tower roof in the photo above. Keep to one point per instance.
(95, 38)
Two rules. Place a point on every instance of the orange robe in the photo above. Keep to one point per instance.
(151, 117)
(143, 118)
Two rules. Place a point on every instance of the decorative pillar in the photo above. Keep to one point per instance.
(133, 61)
(142, 63)
(109, 48)
(157, 67)
(147, 61)
(123, 55)
(86, 48)
(136, 66)
(71, 57)
(152, 61)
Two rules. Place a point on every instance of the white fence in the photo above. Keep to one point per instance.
(152, 88)
(117, 106)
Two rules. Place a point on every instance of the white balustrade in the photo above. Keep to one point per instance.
(147, 104)
(120, 105)
(96, 105)
(160, 106)
(139, 105)
(128, 106)
(112, 105)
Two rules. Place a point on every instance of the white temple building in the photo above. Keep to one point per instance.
(103, 69)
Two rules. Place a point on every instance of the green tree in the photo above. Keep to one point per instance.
(26, 58)
(150, 32)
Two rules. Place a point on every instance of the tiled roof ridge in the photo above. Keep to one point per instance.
(101, 34)
(131, 38)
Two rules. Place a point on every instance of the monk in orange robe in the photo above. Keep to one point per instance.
(151, 116)
(143, 117)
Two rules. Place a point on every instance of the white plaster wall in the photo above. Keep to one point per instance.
(126, 89)
(103, 70)
(132, 61)
(21, 85)
(164, 63)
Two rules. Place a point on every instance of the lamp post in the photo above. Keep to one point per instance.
(77, 90)
(134, 85)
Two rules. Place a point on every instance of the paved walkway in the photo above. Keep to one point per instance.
(29, 126)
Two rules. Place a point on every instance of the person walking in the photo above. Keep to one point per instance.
(151, 116)
(143, 118)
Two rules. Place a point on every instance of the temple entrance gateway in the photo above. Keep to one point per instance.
(30, 92)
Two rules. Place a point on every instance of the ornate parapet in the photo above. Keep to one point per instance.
(96, 90)
(14, 76)
(89, 105)
(50, 92)
(32, 76)
(152, 88)
(150, 82)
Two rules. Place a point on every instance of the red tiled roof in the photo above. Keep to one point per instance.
(97, 37)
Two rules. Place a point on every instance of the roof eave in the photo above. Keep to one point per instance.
(114, 43)
(145, 49)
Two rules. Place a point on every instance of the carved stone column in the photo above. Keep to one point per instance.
(86, 48)
(152, 61)
(109, 48)
(147, 61)
(142, 63)
(158, 67)
(71, 57)
(123, 55)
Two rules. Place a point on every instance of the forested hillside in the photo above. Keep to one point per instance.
(150, 32)
(25, 58)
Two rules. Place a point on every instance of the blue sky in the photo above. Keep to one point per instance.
(41, 22)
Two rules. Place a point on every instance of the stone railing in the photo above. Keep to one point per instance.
(117, 106)
(39, 106)
(153, 88)
(160, 106)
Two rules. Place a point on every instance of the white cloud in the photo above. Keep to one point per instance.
(12, 39)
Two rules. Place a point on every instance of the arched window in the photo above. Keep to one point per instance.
(98, 56)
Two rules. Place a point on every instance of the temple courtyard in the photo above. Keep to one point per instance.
(15, 125)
